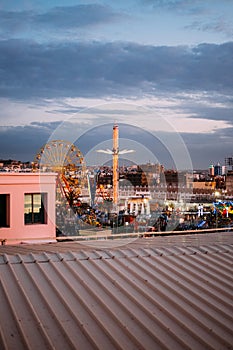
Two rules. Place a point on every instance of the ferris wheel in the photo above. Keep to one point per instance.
(58, 156)
(67, 161)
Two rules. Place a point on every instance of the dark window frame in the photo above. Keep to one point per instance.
(33, 217)
(4, 210)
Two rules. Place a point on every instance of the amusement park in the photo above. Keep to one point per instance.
(85, 205)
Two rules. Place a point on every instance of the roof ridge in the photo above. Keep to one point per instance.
(43, 257)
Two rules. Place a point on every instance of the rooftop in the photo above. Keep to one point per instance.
(165, 292)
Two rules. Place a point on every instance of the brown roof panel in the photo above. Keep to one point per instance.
(166, 293)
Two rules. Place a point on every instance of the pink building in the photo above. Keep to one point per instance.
(27, 207)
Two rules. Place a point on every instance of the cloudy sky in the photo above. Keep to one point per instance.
(161, 69)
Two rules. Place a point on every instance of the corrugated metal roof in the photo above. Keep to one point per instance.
(185, 240)
(164, 296)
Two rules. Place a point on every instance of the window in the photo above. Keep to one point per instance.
(4, 210)
(34, 208)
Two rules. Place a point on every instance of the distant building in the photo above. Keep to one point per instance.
(175, 180)
(152, 173)
(224, 170)
(211, 170)
(229, 163)
(217, 170)
(229, 181)
(205, 186)
(27, 207)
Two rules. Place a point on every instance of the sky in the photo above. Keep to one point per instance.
(161, 69)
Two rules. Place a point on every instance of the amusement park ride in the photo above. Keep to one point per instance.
(76, 196)
(67, 161)
(115, 155)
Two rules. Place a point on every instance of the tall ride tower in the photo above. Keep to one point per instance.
(115, 156)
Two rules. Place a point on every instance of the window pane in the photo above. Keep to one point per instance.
(28, 209)
(4, 210)
(37, 209)
(27, 203)
(36, 203)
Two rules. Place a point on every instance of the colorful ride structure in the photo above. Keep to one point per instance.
(225, 208)
(67, 161)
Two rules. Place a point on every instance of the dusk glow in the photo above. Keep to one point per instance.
(162, 66)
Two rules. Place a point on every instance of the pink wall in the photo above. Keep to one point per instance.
(18, 184)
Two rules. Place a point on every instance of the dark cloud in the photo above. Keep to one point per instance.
(14, 22)
(208, 108)
(101, 133)
(60, 18)
(189, 7)
(23, 142)
(28, 69)
(215, 113)
(203, 149)
(77, 16)
(205, 17)
(219, 25)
